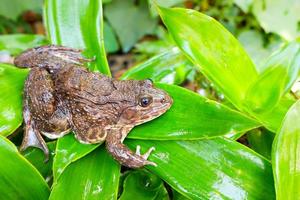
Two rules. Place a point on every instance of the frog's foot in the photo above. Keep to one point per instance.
(145, 155)
(32, 138)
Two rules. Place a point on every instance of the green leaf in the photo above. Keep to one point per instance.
(281, 72)
(278, 16)
(261, 140)
(219, 56)
(211, 169)
(13, 8)
(286, 156)
(79, 27)
(196, 118)
(68, 150)
(19, 179)
(11, 84)
(110, 41)
(96, 176)
(142, 185)
(169, 67)
(37, 158)
(130, 21)
(16, 43)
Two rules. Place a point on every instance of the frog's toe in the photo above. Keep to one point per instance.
(138, 150)
(147, 162)
(147, 154)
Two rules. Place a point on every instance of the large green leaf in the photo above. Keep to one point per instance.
(130, 20)
(11, 84)
(16, 43)
(219, 56)
(96, 176)
(37, 158)
(19, 179)
(142, 185)
(211, 169)
(169, 67)
(68, 150)
(277, 79)
(78, 24)
(193, 117)
(286, 156)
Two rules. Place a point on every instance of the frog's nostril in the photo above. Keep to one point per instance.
(163, 100)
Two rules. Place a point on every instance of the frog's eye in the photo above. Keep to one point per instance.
(145, 101)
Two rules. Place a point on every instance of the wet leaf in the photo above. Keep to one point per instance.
(80, 27)
(219, 56)
(19, 179)
(277, 79)
(37, 158)
(96, 176)
(68, 150)
(286, 156)
(11, 84)
(211, 168)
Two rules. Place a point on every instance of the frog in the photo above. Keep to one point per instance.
(61, 95)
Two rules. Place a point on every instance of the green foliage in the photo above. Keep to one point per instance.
(13, 8)
(19, 179)
(285, 156)
(141, 184)
(196, 151)
(130, 21)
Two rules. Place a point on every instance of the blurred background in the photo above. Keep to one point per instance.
(134, 33)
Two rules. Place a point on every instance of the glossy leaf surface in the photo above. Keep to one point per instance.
(67, 27)
(211, 169)
(19, 179)
(143, 185)
(11, 84)
(130, 20)
(219, 56)
(96, 176)
(169, 67)
(286, 156)
(277, 79)
(193, 117)
(68, 150)
(16, 43)
(37, 158)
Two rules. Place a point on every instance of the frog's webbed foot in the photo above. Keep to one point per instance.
(122, 153)
(50, 57)
(32, 137)
(145, 155)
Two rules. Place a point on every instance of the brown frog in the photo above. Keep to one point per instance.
(61, 95)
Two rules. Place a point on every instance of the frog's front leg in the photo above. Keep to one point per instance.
(115, 146)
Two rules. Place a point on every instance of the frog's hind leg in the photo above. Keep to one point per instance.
(40, 110)
(50, 57)
(32, 136)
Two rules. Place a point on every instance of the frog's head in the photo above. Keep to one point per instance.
(150, 102)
